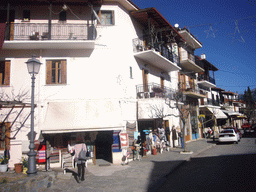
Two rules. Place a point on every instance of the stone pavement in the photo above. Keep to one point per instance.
(139, 176)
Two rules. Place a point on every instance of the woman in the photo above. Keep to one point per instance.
(80, 146)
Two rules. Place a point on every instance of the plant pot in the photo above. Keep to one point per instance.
(3, 167)
(18, 167)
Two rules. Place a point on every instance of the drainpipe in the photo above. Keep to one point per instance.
(50, 22)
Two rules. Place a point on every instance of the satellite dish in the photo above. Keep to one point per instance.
(176, 25)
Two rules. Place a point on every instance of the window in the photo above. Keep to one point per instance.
(63, 16)
(5, 72)
(131, 72)
(56, 72)
(5, 135)
(26, 15)
(106, 17)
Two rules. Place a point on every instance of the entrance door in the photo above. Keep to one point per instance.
(103, 145)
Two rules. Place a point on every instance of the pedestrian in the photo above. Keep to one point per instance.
(174, 135)
(181, 135)
(80, 157)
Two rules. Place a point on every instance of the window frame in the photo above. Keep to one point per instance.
(112, 17)
(26, 15)
(63, 72)
(5, 79)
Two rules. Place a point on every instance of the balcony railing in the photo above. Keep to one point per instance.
(193, 89)
(153, 90)
(59, 31)
(212, 102)
(187, 56)
(203, 77)
(138, 46)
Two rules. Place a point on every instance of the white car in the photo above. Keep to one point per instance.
(228, 135)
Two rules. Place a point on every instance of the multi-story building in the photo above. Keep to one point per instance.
(188, 85)
(210, 106)
(106, 67)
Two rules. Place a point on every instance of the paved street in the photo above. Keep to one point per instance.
(138, 176)
(211, 167)
(225, 167)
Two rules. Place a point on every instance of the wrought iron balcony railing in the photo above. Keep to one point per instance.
(153, 90)
(59, 31)
(193, 89)
(203, 77)
(138, 46)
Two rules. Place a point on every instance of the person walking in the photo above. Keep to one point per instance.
(181, 134)
(80, 157)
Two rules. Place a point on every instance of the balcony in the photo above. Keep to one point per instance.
(194, 92)
(153, 90)
(63, 36)
(187, 62)
(212, 102)
(190, 39)
(206, 81)
(159, 56)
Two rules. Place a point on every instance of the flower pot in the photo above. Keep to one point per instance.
(3, 167)
(18, 167)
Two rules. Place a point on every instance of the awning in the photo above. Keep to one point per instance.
(235, 114)
(232, 113)
(217, 113)
(81, 116)
(2, 34)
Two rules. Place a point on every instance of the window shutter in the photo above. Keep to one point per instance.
(48, 72)
(63, 72)
(99, 15)
(113, 17)
(7, 72)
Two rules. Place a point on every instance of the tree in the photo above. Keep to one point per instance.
(250, 104)
(177, 100)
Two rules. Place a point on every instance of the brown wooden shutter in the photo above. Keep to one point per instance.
(63, 71)
(48, 72)
(162, 82)
(7, 72)
(145, 80)
(99, 15)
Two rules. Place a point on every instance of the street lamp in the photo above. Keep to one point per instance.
(33, 69)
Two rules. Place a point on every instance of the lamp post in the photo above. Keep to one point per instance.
(33, 69)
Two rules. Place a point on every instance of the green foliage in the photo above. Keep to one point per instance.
(25, 162)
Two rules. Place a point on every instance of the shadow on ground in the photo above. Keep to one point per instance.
(218, 173)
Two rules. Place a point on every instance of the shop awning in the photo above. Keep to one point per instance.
(81, 116)
(217, 113)
(232, 113)
(2, 34)
(235, 114)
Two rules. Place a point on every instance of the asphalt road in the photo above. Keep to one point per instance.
(225, 167)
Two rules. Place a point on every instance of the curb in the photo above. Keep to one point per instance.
(162, 180)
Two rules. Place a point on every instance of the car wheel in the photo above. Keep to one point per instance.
(236, 142)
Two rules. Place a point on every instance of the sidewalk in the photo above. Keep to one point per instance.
(144, 175)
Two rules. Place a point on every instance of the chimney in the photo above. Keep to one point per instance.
(203, 56)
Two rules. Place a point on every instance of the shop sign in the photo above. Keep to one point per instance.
(124, 140)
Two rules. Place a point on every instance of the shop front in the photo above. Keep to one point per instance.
(65, 121)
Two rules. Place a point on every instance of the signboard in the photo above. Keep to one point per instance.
(124, 140)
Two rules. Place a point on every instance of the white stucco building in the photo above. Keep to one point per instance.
(104, 65)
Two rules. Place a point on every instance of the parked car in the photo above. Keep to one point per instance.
(246, 125)
(237, 131)
(228, 135)
(250, 130)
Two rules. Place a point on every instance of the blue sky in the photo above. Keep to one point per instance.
(227, 30)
